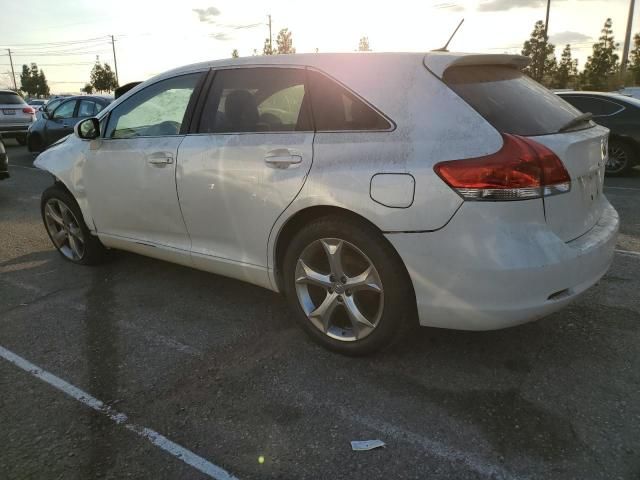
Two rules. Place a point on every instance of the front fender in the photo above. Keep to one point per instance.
(65, 160)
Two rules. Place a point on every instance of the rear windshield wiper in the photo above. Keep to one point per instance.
(574, 122)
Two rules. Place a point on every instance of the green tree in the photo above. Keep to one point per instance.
(267, 49)
(363, 45)
(43, 86)
(102, 78)
(33, 82)
(602, 66)
(285, 42)
(634, 63)
(88, 89)
(566, 72)
(27, 85)
(541, 53)
(234, 53)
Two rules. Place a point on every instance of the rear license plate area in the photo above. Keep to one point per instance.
(7, 111)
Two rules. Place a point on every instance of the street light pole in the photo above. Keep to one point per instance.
(627, 41)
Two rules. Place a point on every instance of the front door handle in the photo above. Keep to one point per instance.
(160, 158)
(282, 158)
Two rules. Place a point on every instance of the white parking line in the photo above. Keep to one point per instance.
(430, 446)
(622, 188)
(154, 437)
(27, 167)
(628, 252)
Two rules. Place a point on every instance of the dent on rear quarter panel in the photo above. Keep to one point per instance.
(66, 163)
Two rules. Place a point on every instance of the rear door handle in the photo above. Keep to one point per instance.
(160, 158)
(282, 158)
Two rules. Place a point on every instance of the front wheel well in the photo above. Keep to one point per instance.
(311, 214)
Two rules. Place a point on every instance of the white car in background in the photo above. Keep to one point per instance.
(373, 190)
(15, 116)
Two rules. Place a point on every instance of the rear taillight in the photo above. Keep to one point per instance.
(520, 170)
(29, 110)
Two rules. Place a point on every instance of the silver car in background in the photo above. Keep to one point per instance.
(15, 116)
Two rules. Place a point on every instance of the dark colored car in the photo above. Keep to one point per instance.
(621, 115)
(58, 120)
(4, 162)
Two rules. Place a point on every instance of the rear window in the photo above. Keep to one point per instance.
(7, 98)
(509, 100)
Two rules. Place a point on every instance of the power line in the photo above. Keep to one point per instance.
(62, 42)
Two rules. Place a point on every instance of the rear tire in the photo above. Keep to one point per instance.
(347, 286)
(621, 158)
(34, 143)
(65, 226)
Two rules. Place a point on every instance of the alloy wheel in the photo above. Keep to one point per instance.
(339, 289)
(64, 229)
(617, 159)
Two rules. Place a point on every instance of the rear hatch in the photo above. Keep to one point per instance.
(515, 104)
(14, 111)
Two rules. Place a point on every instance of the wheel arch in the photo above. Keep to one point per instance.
(310, 214)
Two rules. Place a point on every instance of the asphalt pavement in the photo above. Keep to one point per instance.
(143, 369)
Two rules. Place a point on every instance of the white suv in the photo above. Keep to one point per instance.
(371, 189)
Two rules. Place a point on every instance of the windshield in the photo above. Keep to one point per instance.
(510, 100)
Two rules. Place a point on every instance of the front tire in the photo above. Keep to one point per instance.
(66, 228)
(621, 157)
(347, 286)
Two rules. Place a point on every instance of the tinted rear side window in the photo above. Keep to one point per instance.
(11, 99)
(256, 100)
(509, 100)
(335, 108)
(597, 106)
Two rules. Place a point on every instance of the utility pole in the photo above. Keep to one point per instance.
(270, 35)
(627, 41)
(546, 22)
(115, 62)
(13, 73)
(546, 39)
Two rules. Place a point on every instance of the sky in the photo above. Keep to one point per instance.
(65, 36)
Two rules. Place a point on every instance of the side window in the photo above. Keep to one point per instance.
(52, 105)
(87, 108)
(257, 100)
(65, 110)
(335, 108)
(155, 111)
(598, 107)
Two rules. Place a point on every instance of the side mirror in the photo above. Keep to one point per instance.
(88, 129)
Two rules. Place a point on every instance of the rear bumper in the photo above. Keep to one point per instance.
(10, 130)
(488, 270)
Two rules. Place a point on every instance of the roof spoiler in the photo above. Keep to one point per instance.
(439, 62)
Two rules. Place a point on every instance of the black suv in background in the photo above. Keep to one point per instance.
(621, 115)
